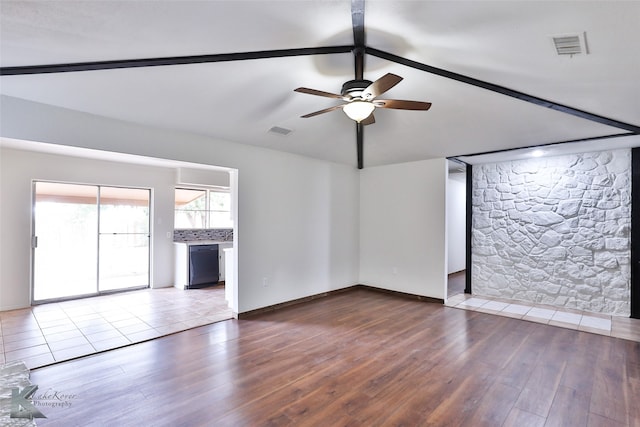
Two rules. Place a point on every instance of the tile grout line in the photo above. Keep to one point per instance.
(43, 335)
(77, 328)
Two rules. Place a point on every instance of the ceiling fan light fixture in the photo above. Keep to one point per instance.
(358, 110)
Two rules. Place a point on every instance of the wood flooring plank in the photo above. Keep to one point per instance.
(608, 393)
(596, 420)
(495, 406)
(353, 359)
(526, 357)
(443, 395)
(462, 402)
(520, 418)
(569, 409)
(633, 404)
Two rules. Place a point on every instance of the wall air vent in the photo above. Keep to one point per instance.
(570, 44)
(280, 131)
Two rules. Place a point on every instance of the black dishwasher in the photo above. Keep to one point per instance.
(203, 266)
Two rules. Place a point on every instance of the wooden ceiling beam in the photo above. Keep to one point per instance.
(172, 60)
(504, 91)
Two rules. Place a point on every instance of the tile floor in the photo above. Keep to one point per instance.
(54, 332)
(614, 326)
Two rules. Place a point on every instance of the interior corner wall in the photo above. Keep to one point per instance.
(403, 227)
(297, 217)
(555, 231)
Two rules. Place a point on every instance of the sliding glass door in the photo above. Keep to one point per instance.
(88, 239)
(123, 238)
(65, 240)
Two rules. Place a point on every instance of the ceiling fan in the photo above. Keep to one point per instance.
(360, 98)
(356, 94)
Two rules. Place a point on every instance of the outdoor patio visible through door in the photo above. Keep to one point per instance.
(88, 239)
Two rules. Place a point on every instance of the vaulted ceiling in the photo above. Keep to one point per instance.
(501, 43)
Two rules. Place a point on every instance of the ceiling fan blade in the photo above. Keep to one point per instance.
(317, 92)
(402, 105)
(326, 110)
(369, 120)
(381, 85)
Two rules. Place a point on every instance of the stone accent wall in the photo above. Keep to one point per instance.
(555, 231)
(189, 235)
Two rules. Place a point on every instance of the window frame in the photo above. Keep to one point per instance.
(207, 203)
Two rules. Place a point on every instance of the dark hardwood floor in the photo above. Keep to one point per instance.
(456, 283)
(358, 358)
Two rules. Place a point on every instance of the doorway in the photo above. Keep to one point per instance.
(88, 240)
(456, 228)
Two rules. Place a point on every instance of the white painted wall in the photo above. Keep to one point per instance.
(456, 222)
(190, 176)
(297, 221)
(17, 171)
(403, 227)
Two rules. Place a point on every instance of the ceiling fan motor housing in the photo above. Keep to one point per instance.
(354, 88)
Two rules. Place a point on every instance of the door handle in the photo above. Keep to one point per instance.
(34, 242)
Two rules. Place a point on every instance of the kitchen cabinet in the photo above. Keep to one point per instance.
(222, 254)
(229, 284)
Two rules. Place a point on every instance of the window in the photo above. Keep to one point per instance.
(202, 208)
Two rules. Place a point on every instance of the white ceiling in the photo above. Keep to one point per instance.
(502, 42)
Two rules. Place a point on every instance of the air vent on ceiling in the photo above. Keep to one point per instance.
(570, 44)
(280, 131)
